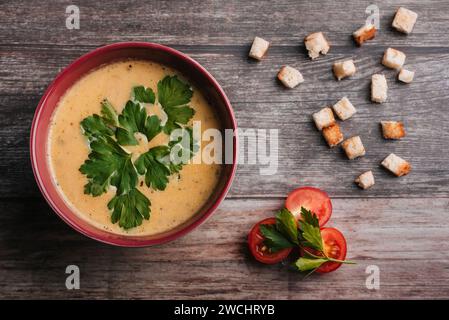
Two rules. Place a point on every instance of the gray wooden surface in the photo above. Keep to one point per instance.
(401, 225)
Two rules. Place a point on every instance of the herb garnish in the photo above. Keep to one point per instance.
(111, 165)
(306, 234)
(144, 95)
(153, 164)
(108, 164)
(173, 96)
(282, 235)
(109, 114)
(134, 119)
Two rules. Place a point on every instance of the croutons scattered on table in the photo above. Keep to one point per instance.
(344, 69)
(315, 44)
(353, 147)
(392, 129)
(379, 88)
(259, 48)
(323, 118)
(393, 58)
(290, 77)
(365, 180)
(333, 135)
(406, 76)
(344, 108)
(367, 32)
(396, 165)
(404, 20)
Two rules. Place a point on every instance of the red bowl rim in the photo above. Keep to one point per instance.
(132, 241)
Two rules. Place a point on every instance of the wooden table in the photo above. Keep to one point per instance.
(401, 224)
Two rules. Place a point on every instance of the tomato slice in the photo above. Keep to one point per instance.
(335, 247)
(259, 250)
(312, 199)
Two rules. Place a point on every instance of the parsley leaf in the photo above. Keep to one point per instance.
(174, 95)
(94, 126)
(284, 234)
(134, 119)
(310, 235)
(176, 116)
(274, 240)
(173, 92)
(144, 95)
(108, 164)
(153, 164)
(307, 264)
(286, 224)
(152, 127)
(159, 162)
(129, 209)
(109, 114)
(131, 120)
(182, 150)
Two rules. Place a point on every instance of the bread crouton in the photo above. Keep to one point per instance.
(392, 129)
(367, 32)
(396, 165)
(353, 147)
(333, 135)
(365, 180)
(315, 44)
(323, 118)
(290, 77)
(344, 69)
(344, 109)
(379, 88)
(259, 48)
(406, 76)
(393, 58)
(404, 20)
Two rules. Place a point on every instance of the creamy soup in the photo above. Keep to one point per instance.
(68, 148)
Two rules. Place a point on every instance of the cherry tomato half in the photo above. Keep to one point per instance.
(334, 246)
(258, 248)
(312, 199)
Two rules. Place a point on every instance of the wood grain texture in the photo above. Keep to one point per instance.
(304, 157)
(401, 225)
(214, 22)
(259, 99)
(410, 250)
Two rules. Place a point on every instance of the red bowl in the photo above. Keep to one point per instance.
(66, 78)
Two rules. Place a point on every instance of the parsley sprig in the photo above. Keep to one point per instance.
(306, 234)
(282, 235)
(173, 96)
(310, 237)
(158, 163)
(134, 119)
(109, 164)
(144, 95)
(153, 164)
(129, 209)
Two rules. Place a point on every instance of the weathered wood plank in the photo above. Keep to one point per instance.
(214, 21)
(245, 80)
(400, 225)
(405, 238)
(260, 102)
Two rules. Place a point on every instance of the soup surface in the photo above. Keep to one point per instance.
(68, 148)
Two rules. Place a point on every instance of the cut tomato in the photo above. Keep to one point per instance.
(259, 250)
(334, 247)
(312, 199)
